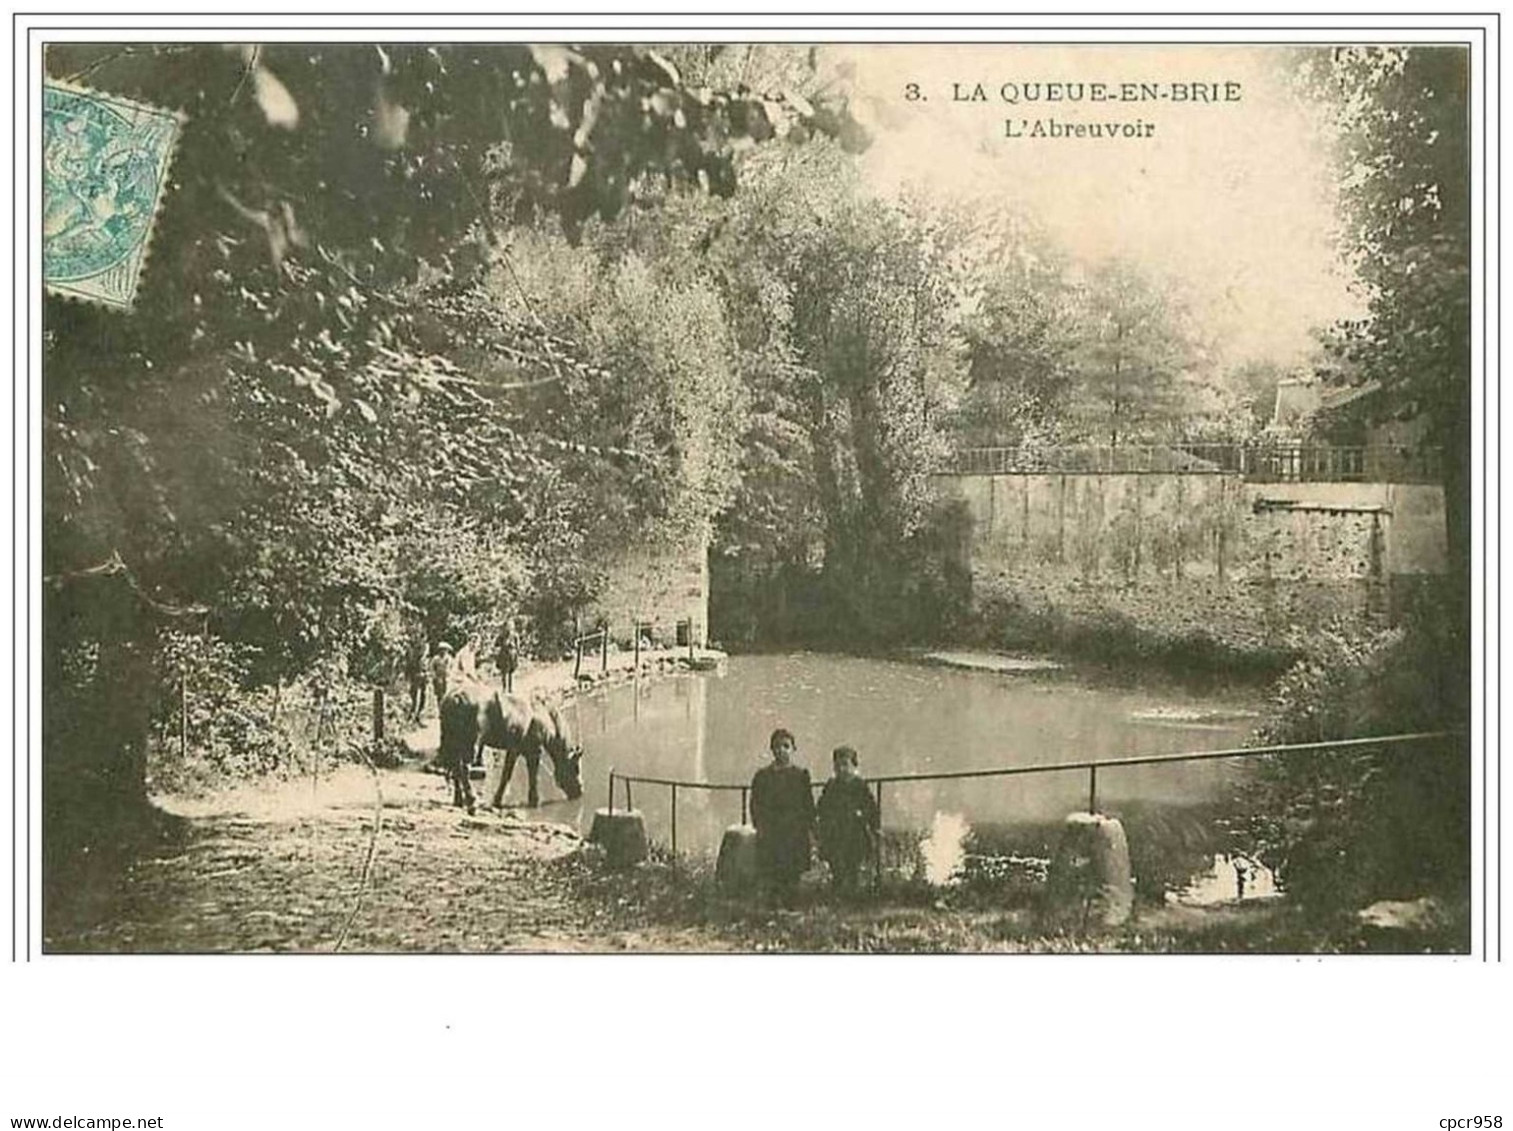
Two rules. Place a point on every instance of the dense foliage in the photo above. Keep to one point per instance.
(313, 437)
(1404, 160)
(1342, 829)
(428, 333)
(1350, 827)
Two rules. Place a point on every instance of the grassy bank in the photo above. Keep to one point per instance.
(1110, 639)
(996, 900)
(672, 900)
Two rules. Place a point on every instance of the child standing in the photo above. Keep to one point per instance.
(417, 659)
(782, 809)
(848, 821)
(441, 671)
(507, 653)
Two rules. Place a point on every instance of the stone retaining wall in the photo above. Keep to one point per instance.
(1246, 564)
(658, 583)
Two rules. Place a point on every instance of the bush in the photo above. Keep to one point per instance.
(206, 725)
(214, 725)
(1111, 637)
(1343, 829)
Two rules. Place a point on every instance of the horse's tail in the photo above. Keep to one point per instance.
(459, 729)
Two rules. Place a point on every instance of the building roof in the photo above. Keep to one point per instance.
(1299, 399)
(1340, 397)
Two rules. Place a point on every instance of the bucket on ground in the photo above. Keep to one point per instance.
(1090, 883)
(622, 835)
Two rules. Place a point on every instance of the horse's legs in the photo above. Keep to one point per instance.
(462, 788)
(533, 764)
(504, 778)
(456, 783)
(478, 760)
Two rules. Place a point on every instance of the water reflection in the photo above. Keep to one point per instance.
(944, 851)
(1231, 878)
(903, 718)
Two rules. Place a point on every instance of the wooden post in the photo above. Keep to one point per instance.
(604, 649)
(378, 714)
(635, 628)
(577, 657)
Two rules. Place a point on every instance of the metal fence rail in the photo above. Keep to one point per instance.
(598, 640)
(1260, 463)
(1092, 767)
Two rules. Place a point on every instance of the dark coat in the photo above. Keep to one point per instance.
(782, 809)
(507, 651)
(848, 821)
(416, 658)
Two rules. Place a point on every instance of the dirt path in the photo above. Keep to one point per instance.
(295, 866)
(381, 862)
(280, 867)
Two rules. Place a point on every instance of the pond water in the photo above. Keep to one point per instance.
(902, 717)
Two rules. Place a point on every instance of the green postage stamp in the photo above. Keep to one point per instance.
(104, 171)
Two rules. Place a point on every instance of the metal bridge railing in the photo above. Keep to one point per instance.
(1091, 766)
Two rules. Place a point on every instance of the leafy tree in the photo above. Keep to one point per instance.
(357, 171)
(662, 392)
(1404, 161)
(871, 310)
(1369, 825)
(1020, 337)
(1347, 829)
(278, 432)
(1132, 354)
(857, 357)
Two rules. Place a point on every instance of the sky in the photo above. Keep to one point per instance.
(1232, 198)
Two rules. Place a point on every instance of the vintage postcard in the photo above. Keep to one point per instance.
(704, 493)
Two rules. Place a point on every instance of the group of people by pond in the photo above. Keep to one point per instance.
(435, 669)
(788, 820)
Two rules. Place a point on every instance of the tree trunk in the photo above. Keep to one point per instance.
(95, 733)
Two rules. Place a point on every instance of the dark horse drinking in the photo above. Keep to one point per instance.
(473, 716)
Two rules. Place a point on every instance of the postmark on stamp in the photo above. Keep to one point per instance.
(104, 172)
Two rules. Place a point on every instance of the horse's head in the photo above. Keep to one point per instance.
(566, 771)
(566, 758)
